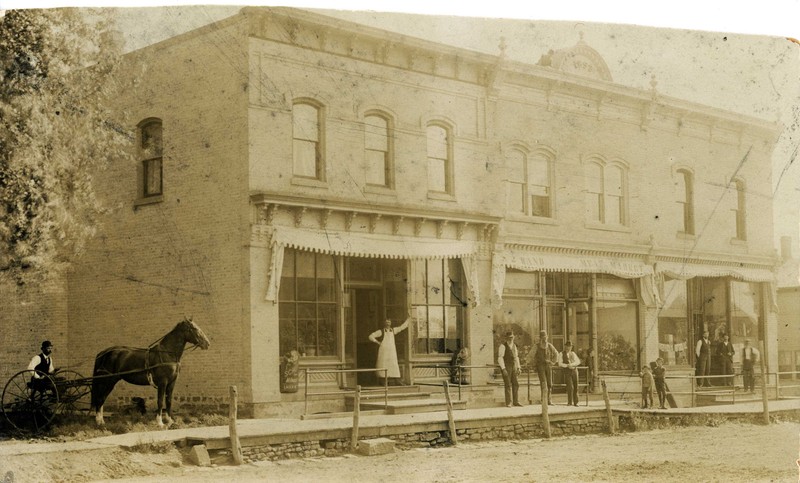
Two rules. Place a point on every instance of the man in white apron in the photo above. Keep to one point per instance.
(387, 352)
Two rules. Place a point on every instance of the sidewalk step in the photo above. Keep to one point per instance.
(410, 406)
(393, 396)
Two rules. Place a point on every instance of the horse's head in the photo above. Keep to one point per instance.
(193, 334)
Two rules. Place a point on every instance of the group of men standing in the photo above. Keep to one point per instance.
(545, 356)
(725, 352)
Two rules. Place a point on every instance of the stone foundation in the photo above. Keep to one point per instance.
(425, 439)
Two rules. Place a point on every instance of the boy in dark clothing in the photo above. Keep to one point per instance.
(659, 375)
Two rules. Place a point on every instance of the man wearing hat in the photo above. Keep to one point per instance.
(508, 360)
(545, 356)
(749, 359)
(42, 364)
(569, 361)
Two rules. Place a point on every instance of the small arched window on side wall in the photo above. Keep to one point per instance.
(740, 211)
(685, 200)
(151, 158)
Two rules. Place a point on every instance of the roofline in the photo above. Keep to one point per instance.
(490, 62)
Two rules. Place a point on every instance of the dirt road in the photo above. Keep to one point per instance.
(728, 453)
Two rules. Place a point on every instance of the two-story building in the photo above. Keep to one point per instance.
(300, 179)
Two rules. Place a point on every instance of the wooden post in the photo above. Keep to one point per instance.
(450, 421)
(236, 447)
(356, 411)
(764, 398)
(545, 410)
(609, 414)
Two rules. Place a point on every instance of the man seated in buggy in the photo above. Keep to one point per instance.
(42, 366)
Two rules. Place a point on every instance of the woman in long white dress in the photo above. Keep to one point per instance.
(387, 352)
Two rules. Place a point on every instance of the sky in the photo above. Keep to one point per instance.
(724, 66)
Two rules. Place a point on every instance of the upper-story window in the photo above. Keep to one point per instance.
(440, 159)
(685, 199)
(307, 135)
(378, 150)
(529, 183)
(606, 187)
(150, 154)
(739, 211)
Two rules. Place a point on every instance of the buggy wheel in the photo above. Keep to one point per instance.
(73, 391)
(30, 403)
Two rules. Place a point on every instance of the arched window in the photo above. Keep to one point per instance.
(440, 159)
(606, 192)
(739, 211)
(378, 150)
(685, 199)
(307, 134)
(529, 183)
(150, 154)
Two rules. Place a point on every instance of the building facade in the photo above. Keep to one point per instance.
(300, 179)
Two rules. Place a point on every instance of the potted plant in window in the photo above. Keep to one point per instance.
(290, 369)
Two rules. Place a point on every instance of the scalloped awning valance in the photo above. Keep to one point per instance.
(685, 271)
(559, 262)
(368, 245)
(371, 245)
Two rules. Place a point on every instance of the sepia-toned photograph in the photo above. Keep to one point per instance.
(280, 243)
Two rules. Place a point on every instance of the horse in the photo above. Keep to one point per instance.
(157, 365)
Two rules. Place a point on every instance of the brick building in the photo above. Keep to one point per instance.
(301, 178)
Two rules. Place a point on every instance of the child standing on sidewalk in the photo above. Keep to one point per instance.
(647, 386)
(659, 373)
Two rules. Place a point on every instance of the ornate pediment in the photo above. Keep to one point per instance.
(579, 59)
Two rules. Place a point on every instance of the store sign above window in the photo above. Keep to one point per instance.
(556, 262)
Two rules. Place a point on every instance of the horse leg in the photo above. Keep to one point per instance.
(162, 389)
(100, 391)
(168, 401)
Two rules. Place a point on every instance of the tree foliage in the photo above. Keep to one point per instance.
(56, 131)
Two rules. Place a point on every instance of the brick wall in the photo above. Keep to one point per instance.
(29, 315)
(152, 264)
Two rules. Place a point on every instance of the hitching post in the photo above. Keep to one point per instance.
(236, 447)
(764, 397)
(450, 421)
(356, 411)
(545, 413)
(609, 414)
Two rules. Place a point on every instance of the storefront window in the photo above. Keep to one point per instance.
(521, 312)
(617, 321)
(745, 312)
(673, 342)
(438, 305)
(710, 307)
(308, 310)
